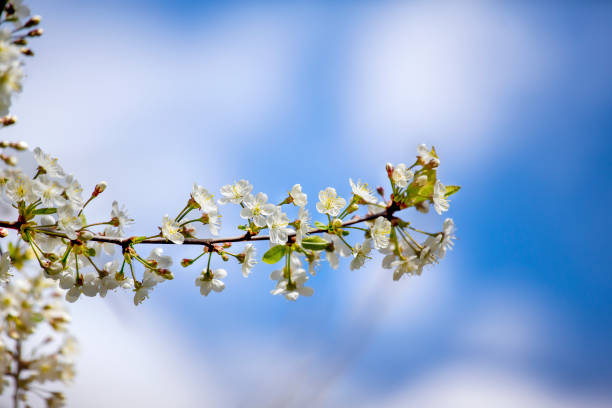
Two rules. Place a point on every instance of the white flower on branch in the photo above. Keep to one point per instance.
(19, 187)
(380, 232)
(235, 193)
(439, 198)
(303, 225)
(248, 259)
(329, 202)
(426, 157)
(339, 249)
(47, 164)
(74, 191)
(48, 191)
(292, 287)
(120, 217)
(257, 208)
(68, 221)
(438, 244)
(401, 176)
(170, 230)
(214, 222)
(211, 280)
(360, 254)
(278, 225)
(299, 198)
(5, 265)
(362, 191)
(203, 198)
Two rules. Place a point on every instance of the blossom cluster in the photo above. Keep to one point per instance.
(78, 254)
(35, 349)
(13, 45)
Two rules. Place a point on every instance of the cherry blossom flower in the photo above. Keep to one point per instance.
(211, 280)
(439, 198)
(257, 208)
(299, 198)
(170, 230)
(329, 202)
(235, 193)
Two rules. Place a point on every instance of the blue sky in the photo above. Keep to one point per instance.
(516, 98)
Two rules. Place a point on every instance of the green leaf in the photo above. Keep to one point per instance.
(320, 225)
(315, 243)
(416, 194)
(274, 254)
(243, 227)
(450, 190)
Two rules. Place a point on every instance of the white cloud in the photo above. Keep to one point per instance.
(465, 385)
(442, 73)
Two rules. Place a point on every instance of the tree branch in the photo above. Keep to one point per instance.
(123, 242)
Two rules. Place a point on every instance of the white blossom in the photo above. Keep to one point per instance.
(257, 208)
(380, 232)
(48, 164)
(5, 265)
(329, 202)
(108, 281)
(149, 281)
(211, 281)
(277, 224)
(299, 198)
(74, 190)
(120, 217)
(401, 176)
(68, 222)
(22, 11)
(340, 249)
(214, 222)
(438, 244)
(405, 265)
(19, 188)
(426, 157)
(158, 260)
(360, 254)
(235, 193)
(49, 192)
(203, 198)
(439, 198)
(170, 230)
(303, 222)
(294, 289)
(249, 260)
(362, 191)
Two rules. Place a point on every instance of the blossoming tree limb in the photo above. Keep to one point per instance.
(92, 257)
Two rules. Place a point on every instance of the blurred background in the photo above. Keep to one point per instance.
(517, 98)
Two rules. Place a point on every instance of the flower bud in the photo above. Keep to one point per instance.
(99, 189)
(33, 21)
(165, 273)
(3, 232)
(185, 262)
(7, 121)
(380, 190)
(54, 268)
(421, 180)
(224, 257)
(227, 245)
(337, 223)
(351, 209)
(389, 168)
(85, 235)
(20, 145)
(35, 33)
